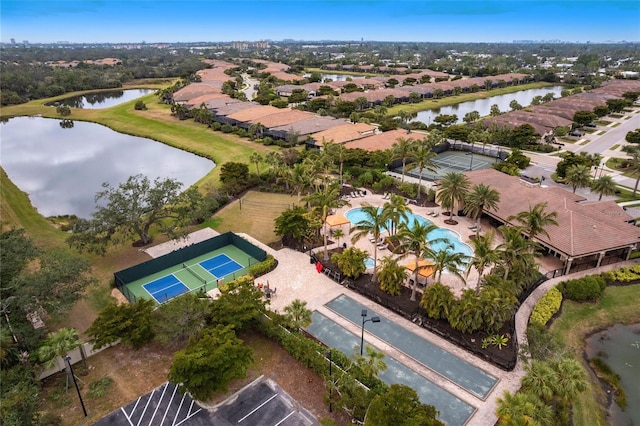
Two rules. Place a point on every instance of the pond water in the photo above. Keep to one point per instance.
(483, 106)
(101, 100)
(619, 347)
(448, 236)
(61, 165)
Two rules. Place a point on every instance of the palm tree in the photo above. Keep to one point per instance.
(297, 314)
(484, 256)
(522, 409)
(570, 380)
(423, 156)
(372, 364)
(578, 176)
(395, 211)
(391, 275)
(57, 346)
(604, 185)
(275, 160)
(516, 248)
(438, 301)
(536, 219)
(454, 187)
(540, 380)
(322, 204)
(374, 223)
(633, 163)
(402, 150)
(299, 177)
(338, 233)
(480, 198)
(338, 152)
(413, 240)
(448, 259)
(256, 159)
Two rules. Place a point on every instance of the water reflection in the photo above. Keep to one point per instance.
(61, 169)
(102, 99)
(483, 106)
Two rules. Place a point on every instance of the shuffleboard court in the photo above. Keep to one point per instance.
(165, 288)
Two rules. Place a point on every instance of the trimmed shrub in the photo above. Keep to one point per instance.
(263, 267)
(546, 307)
(583, 289)
(623, 275)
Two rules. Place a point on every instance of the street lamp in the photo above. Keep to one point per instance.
(67, 360)
(328, 354)
(363, 314)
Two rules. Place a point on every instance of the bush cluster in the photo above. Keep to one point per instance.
(583, 289)
(546, 307)
(623, 275)
(262, 268)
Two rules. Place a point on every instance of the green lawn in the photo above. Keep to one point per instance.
(618, 305)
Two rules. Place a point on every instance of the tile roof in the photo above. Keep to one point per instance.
(254, 113)
(311, 125)
(382, 141)
(282, 117)
(344, 133)
(584, 228)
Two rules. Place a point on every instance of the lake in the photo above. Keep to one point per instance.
(619, 347)
(61, 169)
(101, 100)
(483, 106)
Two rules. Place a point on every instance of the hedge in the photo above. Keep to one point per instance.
(262, 268)
(583, 289)
(623, 275)
(546, 307)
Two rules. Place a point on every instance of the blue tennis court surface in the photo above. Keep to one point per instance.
(220, 265)
(166, 288)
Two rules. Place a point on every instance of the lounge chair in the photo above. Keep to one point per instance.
(473, 226)
(382, 246)
(431, 213)
(436, 214)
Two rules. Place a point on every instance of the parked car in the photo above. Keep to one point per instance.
(591, 125)
(575, 133)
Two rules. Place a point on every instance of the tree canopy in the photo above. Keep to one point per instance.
(133, 208)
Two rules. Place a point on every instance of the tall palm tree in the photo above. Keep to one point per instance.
(374, 223)
(454, 187)
(57, 346)
(402, 150)
(322, 203)
(414, 240)
(299, 177)
(395, 211)
(275, 160)
(423, 156)
(536, 219)
(578, 176)
(516, 248)
(484, 256)
(256, 159)
(338, 152)
(604, 185)
(297, 314)
(634, 163)
(447, 258)
(480, 198)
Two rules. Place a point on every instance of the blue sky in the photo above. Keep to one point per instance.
(400, 20)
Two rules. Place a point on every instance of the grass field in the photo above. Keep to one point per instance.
(256, 217)
(618, 305)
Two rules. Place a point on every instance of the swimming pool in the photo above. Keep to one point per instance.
(369, 262)
(356, 215)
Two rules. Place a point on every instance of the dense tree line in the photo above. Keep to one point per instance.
(25, 75)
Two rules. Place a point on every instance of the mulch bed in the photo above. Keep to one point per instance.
(504, 358)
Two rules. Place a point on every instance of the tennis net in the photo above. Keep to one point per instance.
(194, 273)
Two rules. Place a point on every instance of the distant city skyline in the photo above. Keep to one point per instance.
(155, 21)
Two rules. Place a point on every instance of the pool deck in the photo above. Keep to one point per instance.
(296, 278)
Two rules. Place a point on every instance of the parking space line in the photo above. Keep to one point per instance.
(135, 406)
(127, 416)
(288, 415)
(145, 407)
(179, 408)
(189, 414)
(158, 404)
(257, 408)
(175, 388)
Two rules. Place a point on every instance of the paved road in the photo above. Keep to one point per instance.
(614, 135)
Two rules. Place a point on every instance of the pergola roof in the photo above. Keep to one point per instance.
(337, 220)
(425, 267)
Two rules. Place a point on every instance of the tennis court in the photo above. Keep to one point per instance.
(221, 265)
(201, 273)
(453, 161)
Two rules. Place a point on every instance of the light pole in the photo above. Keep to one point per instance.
(328, 354)
(363, 314)
(67, 360)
